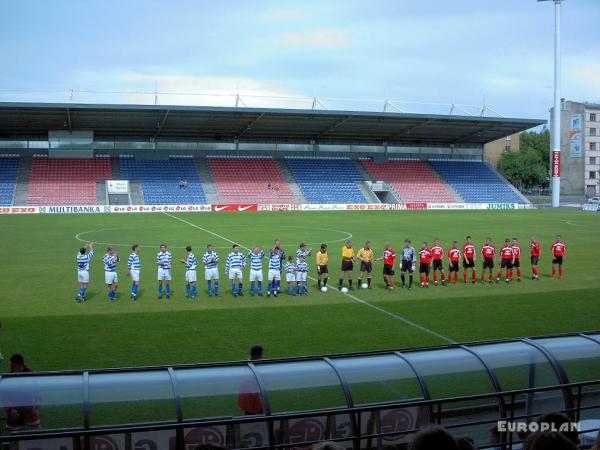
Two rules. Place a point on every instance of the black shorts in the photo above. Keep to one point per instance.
(468, 263)
(347, 265)
(517, 263)
(488, 263)
(453, 266)
(407, 266)
(322, 269)
(366, 267)
(535, 260)
(506, 263)
(557, 260)
(424, 268)
(438, 264)
(388, 269)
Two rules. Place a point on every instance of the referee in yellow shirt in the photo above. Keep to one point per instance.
(365, 256)
(322, 270)
(347, 264)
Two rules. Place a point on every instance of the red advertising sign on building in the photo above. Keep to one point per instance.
(556, 163)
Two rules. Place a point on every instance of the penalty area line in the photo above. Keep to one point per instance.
(352, 297)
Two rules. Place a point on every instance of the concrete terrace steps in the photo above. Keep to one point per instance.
(291, 181)
(207, 180)
(22, 184)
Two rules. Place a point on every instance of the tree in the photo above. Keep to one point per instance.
(529, 167)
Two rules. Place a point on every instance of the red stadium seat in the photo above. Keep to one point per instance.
(250, 180)
(414, 181)
(66, 181)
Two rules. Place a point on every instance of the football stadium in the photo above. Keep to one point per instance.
(190, 277)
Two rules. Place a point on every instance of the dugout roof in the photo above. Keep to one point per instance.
(18, 120)
(112, 397)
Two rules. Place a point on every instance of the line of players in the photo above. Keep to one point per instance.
(430, 259)
(295, 269)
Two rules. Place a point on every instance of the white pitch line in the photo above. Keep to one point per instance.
(353, 297)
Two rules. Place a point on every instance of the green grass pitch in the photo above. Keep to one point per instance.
(41, 319)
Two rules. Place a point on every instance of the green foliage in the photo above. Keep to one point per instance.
(529, 167)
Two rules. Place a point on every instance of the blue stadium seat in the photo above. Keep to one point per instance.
(160, 180)
(476, 182)
(328, 180)
(9, 168)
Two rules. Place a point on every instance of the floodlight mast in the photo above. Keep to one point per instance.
(555, 155)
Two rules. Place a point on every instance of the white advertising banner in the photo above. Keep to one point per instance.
(117, 186)
(159, 208)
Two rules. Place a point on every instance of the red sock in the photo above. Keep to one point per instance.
(427, 279)
(455, 277)
(553, 272)
(500, 274)
(534, 269)
(443, 276)
(561, 271)
(491, 276)
(519, 274)
(435, 277)
(465, 276)
(483, 277)
(509, 274)
(422, 279)
(474, 275)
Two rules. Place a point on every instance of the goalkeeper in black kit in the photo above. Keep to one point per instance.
(408, 260)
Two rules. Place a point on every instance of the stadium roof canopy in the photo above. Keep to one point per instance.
(19, 120)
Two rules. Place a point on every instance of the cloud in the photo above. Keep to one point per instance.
(586, 74)
(323, 38)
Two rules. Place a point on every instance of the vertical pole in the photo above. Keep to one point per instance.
(555, 160)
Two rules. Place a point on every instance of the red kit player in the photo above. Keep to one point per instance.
(536, 250)
(559, 252)
(488, 252)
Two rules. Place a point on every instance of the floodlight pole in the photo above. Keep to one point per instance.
(555, 155)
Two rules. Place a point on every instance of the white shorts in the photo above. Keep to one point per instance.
(301, 276)
(274, 274)
(211, 274)
(235, 273)
(256, 275)
(135, 274)
(290, 277)
(83, 276)
(164, 274)
(111, 277)
(190, 276)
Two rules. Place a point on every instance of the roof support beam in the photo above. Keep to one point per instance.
(331, 128)
(161, 124)
(409, 130)
(69, 119)
(474, 133)
(250, 125)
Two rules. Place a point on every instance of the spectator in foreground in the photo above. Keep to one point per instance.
(256, 353)
(557, 420)
(433, 438)
(21, 409)
(466, 443)
(327, 445)
(249, 399)
(596, 445)
(548, 440)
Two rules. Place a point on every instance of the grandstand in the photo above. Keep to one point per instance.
(70, 181)
(328, 180)
(413, 181)
(246, 155)
(160, 180)
(476, 182)
(9, 167)
(250, 180)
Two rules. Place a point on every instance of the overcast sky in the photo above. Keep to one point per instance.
(443, 51)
